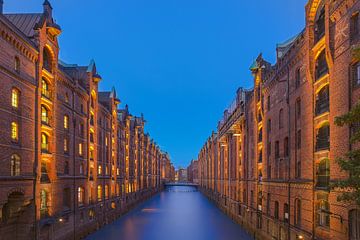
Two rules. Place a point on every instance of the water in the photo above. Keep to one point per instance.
(178, 213)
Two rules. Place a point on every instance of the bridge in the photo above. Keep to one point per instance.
(186, 184)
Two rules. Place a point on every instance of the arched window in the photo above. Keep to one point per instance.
(99, 170)
(322, 101)
(323, 173)
(321, 67)
(281, 118)
(44, 142)
(354, 224)
(99, 193)
(14, 132)
(323, 213)
(17, 64)
(297, 212)
(319, 29)
(81, 196)
(15, 165)
(15, 95)
(44, 115)
(286, 212)
(45, 88)
(323, 137)
(106, 191)
(66, 122)
(44, 198)
(47, 61)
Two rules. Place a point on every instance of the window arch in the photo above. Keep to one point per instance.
(297, 212)
(322, 100)
(44, 115)
(47, 60)
(321, 66)
(354, 224)
(15, 165)
(45, 88)
(44, 142)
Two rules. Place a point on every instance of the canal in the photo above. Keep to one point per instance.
(178, 213)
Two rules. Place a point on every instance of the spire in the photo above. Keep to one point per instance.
(47, 8)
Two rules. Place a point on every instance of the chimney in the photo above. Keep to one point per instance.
(47, 8)
(1, 6)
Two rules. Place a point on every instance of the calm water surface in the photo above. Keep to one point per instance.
(178, 213)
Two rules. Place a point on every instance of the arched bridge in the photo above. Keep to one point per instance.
(171, 184)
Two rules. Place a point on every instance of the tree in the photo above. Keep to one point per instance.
(351, 161)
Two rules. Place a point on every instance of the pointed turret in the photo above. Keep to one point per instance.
(47, 8)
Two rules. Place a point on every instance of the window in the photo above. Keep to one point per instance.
(297, 212)
(286, 212)
(82, 167)
(66, 97)
(298, 108)
(44, 142)
(354, 25)
(298, 139)
(14, 131)
(354, 224)
(44, 174)
(66, 145)
(81, 196)
(99, 170)
(323, 174)
(356, 74)
(15, 95)
(45, 89)
(286, 147)
(82, 108)
(81, 130)
(66, 122)
(106, 191)
(80, 149)
(323, 137)
(320, 24)
(268, 202)
(15, 165)
(260, 135)
(17, 64)
(281, 118)
(276, 210)
(44, 115)
(44, 203)
(323, 210)
(322, 101)
(277, 150)
(268, 103)
(66, 168)
(47, 61)
(99, 193)
(92, 121)
(321, 67)
(67, 198)
(297, 78)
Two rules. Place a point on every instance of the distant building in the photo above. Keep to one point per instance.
(192, 172)
(181, 175)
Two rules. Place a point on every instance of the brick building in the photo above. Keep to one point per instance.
(72, 159)
(272, 160)
(192, 172)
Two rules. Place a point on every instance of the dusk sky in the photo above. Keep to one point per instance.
(179, 62)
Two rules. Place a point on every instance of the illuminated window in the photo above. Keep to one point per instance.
(45, 91)
(47, 60)
(99, 170)
(66, 122)
(44, 115)
(14, 131)
(99, 193)
(106, 191)
(80, 149)
(44, 142)
(66, 145)
(44, 203)
(15, 94)
(81, 196)
(323, 211)
(15, 165)
(17, 64)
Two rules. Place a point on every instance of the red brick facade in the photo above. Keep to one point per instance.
(271, 162)
(71, 160)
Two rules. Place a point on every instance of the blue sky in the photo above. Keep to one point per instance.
(179, 62)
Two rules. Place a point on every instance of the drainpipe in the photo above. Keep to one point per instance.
(74, 160)
(36, 159)
(289, 144)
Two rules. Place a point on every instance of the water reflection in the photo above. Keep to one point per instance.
(178, 213)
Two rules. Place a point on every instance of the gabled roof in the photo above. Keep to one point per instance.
(25, 22)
